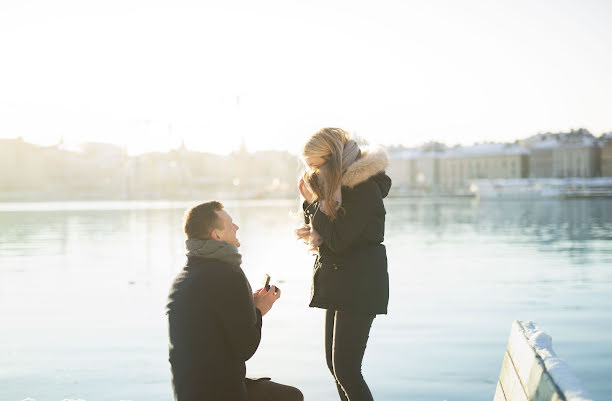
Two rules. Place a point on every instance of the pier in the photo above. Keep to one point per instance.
(531, 371)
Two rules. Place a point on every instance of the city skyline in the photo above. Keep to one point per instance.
(273, 73)
(244, 147)
(104, 171)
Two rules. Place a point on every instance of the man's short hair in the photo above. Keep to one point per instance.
(200, 220)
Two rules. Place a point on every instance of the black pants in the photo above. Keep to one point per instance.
(346, 336)
(267, 390)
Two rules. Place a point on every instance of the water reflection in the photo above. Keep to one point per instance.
(573, 227)
(546, 222)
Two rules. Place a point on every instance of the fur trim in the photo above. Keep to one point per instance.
(373, 161)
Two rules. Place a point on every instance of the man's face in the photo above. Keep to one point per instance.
(228, 232)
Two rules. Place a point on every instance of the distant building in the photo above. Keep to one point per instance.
(21, 165)
(427, 171)
(460, 165)
(8, 162)
(563, 155)
(606, 154)
(102, 171)
(541, 155)
(578, 155)
(416, 168)
(65, 169)
(402, 168)
(541, 162)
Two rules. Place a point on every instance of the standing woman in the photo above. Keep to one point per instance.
(343, 189)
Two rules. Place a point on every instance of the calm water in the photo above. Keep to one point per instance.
(83, 287)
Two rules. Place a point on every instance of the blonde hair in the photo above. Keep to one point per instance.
(326, 143)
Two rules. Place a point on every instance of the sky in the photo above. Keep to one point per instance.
(148, 75)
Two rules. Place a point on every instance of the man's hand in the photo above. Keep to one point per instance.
(264, 300)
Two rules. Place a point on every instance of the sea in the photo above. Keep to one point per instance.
(83, 288)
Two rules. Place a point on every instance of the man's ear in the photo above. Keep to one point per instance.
(215, 235)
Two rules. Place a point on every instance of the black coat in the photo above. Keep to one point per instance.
(350, 273)
(214, 328)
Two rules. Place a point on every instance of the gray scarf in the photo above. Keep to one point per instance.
(213, 249)
(350, 153)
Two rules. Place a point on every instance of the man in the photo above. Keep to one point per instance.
(215, 319)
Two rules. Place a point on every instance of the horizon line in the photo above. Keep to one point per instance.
(75, 146)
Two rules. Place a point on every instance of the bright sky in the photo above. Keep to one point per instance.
(391, 71)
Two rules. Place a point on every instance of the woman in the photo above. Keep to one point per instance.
(343, 189)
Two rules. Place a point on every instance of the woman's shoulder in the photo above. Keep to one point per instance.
(368, 184)
(376, 184)
(372, 162)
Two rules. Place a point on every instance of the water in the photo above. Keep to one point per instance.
(83, 288)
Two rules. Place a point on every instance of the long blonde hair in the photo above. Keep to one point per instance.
(327, 143)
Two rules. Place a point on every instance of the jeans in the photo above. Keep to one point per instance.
(346, 336)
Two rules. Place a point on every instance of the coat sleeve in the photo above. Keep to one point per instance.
(357, 210)
(240, 319)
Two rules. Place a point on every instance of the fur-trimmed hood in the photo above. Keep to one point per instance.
(373, 161)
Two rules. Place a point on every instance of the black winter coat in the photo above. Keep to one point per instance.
(214, 328)
(350, 272)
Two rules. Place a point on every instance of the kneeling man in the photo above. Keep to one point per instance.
(214, 318)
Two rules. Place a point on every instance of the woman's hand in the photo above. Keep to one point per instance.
(310, 236)
(305, 191)
(303, 232)
(264, 300)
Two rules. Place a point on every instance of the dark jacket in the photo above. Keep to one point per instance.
(350, 272)
(214, 328)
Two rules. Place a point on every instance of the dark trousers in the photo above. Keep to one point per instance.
(267, 390)
(346, 336)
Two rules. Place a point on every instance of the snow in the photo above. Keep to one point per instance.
(485, 149)
(546, 144)
(570, 139)
(406, 154)
(573, 139)
(560, 372)
(411, 154)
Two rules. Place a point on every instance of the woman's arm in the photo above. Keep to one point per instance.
(364, 202)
